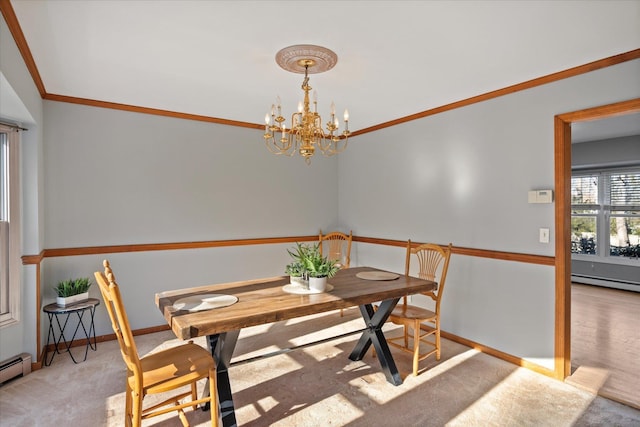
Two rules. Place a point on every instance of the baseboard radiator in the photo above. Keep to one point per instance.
(17, 366)
(626, 285)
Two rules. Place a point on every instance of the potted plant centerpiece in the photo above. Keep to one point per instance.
(309, 269)
(72, 291)
(318, 268)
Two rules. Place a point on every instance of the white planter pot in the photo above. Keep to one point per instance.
(318, 284)
(65, 301)
(299, 281)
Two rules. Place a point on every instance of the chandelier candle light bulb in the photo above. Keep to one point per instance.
(306, 133)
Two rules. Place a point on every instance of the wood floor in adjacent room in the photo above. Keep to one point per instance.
(605, 342)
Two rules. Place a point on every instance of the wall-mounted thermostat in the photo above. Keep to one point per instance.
(541, 196)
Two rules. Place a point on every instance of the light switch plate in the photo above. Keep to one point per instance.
(544, 235)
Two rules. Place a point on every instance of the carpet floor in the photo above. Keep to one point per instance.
(318, 386)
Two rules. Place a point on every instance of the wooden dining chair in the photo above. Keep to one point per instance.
(170, 370)
(433, 263)
(339, 249)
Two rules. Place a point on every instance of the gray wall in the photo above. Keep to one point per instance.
(114, 177)
(623, 151)
(462, 176)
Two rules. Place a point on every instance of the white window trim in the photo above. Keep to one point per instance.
(13, 315)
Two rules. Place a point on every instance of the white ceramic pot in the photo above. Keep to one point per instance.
(65, 301)
(318, 284)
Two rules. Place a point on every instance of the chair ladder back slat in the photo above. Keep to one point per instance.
(119, 320)
(130, 349)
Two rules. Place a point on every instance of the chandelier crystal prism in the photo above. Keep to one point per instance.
(305, 133)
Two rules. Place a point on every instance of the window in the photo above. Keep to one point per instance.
(605, 214)
(10, 263)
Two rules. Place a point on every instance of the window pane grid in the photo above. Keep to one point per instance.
(584, 190)
(584, 234)
(610, 199)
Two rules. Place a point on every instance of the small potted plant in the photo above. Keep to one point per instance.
(295, 269)
(318, 268)
(72, 291)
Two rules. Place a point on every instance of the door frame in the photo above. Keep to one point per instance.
(562, 156)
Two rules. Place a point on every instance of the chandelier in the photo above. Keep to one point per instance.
(305, 133)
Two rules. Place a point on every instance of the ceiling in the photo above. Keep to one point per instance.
(395, 58)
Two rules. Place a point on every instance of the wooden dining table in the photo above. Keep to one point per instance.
(261, 301)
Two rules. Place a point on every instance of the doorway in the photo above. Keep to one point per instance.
(562, 154)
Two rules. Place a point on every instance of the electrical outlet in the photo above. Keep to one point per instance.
(544, 235)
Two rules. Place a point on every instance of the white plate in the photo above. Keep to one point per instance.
(295, 289)
(377, 275)
(204, 302)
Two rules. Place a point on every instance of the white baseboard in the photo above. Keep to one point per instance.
(606, 283)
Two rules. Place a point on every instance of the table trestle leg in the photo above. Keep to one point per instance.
(374, 320)
(222, 346)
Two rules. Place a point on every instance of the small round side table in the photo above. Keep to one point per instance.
(54, 311)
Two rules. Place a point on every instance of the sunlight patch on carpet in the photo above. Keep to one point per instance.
(509, 402)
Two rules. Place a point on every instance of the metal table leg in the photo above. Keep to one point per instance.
(87, 334)
(222, 347)
(374, 320)
(52, 335)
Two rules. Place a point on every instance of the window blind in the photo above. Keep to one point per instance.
(624, 191)
(584, 190)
